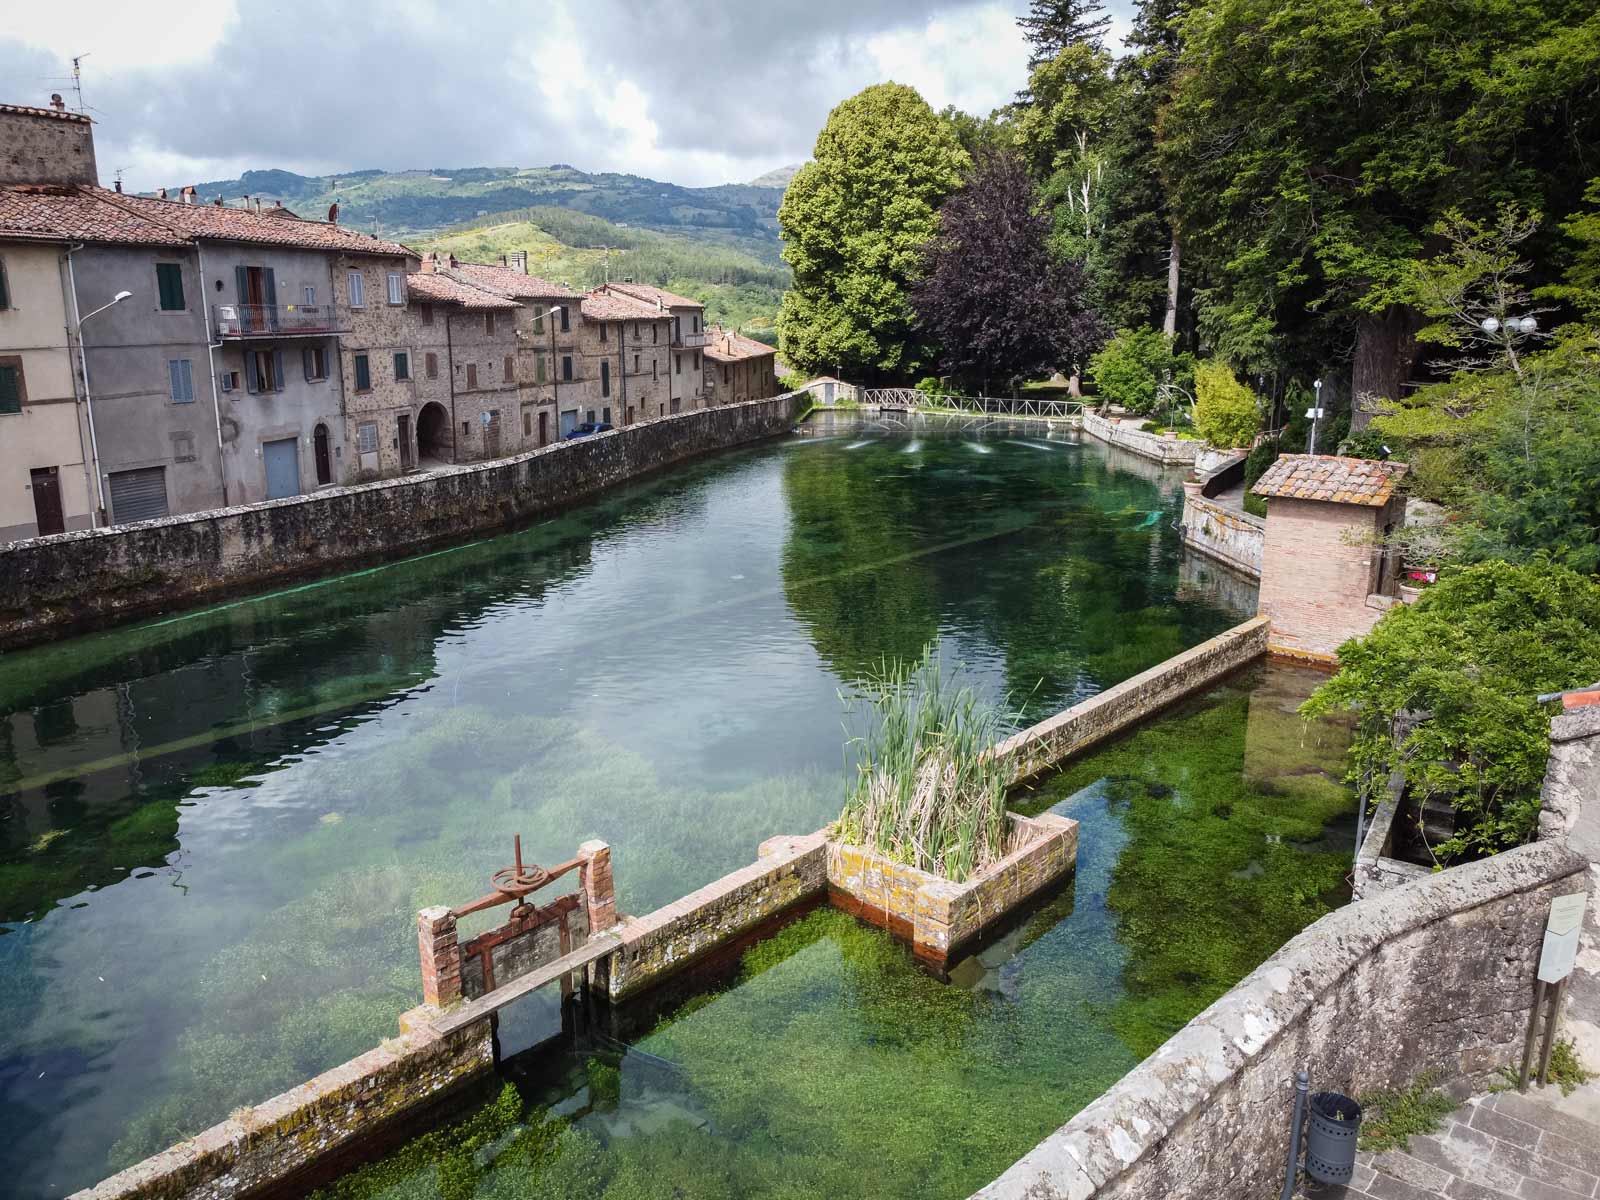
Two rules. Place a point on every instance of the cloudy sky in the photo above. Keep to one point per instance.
(693, 93)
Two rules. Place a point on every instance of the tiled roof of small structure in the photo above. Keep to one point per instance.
(510, 282)
(650, 295)
(221, 223)
(724, 345)
(71, 214)
(441, 289)
(607, 304)
(1331, 478)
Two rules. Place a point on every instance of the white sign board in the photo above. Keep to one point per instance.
(1561, 937)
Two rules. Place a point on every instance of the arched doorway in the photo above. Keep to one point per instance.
(324, 455)
(435, 437)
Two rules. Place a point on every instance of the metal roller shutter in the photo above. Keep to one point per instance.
(138, 495)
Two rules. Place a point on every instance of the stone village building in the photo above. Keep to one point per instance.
(260, 355)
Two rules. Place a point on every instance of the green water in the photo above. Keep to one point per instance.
(215, 828)
(833, 1066)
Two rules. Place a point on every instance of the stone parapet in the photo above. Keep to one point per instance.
(1047, 743)
(1168, 451)
(1235, 538)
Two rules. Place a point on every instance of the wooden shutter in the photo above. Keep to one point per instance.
(511, 368)
(358, 293)
(431, 363)
(363, 373)
(271, 287)
(305, 361)
(10, 389)
(277, 370)
(5, 293)
(605, 377)
(241, 280)
(472, 375)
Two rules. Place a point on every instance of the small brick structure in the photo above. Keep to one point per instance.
(936, 915)
(1326, 575)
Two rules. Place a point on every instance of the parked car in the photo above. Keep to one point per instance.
(587, 428)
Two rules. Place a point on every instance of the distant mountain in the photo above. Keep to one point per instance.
(405, 204)
(778, 177)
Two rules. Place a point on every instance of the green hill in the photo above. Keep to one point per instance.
(738, 286)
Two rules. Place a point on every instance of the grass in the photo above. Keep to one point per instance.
(1395, 1116)
(926, 792)
(1566, 1069)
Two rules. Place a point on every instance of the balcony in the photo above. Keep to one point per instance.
(689, 341)
(235, 321)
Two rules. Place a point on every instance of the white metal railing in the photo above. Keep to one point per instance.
(910, 399)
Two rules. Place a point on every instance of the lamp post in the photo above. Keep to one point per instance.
(1316, 415)
(88, 403)
(1508, 332)
(555, 367)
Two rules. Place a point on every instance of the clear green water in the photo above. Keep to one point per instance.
(215, 829)
(833, 1066)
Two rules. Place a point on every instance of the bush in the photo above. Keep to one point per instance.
(927, 791)
(1226, 413)
(1472, 654)
(1368, 443)
(1132, 367)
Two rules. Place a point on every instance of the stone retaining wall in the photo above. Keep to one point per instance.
(52, 586)
(1041, 746)
(1235, 538)
(269, 1145)
(1434, 975)
(1171, 452)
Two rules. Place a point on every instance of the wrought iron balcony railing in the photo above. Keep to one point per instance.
(690, 341)
(276, 320)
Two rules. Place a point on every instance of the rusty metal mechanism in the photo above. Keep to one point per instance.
(516, 881)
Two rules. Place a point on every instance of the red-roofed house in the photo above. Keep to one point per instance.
(738, 368)
(621, 361)
(686, 381)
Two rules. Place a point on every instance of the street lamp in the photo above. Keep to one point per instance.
(1509, 332)
(1315, 413)
(555, 368)
(88, 403)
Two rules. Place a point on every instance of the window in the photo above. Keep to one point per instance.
(655, 368)
(677, 364)
(169, 286)
(630, 414)
(696, 319)
(488, 321)
(566, 320)
(397, 288)
(180, 379)
(466, 429)
(511, 368)
(402, 366)
(677, 329)
(308, 294)
(604, 336)
(635, 364)
(5, 292)
(367, 437)
(605, 415)
(472, 375)
(12, 391)
(358, 290)
(655, 333)
(315, 360)
(229, 381)
(263, 370)
(697, 360)
(538, 319)
(430, 364)
(636, 331)
(589, 416)
(425, 313)
(363, 368)
(527, 422)
(605, 377)
(724, 374)
(539, 369)
(566, 368)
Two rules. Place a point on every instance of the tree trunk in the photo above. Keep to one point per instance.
(1386, 350)
(1170, 325)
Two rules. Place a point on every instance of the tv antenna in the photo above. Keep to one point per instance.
(77, 77)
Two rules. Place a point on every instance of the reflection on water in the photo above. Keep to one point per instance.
(215, 828)
(832, 1065)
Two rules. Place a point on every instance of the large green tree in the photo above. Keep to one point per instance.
(1310, 144)
(854, 222)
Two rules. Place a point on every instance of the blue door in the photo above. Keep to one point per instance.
(283, 467)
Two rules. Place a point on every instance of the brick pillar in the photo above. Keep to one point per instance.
(441, 956)
(599, 893)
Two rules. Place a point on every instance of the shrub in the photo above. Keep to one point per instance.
(1368, 443)
(1472, 654)
(1226, 413)
(1133, 366)
(927, 792)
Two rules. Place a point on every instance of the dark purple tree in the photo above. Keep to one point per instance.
(1000, 305)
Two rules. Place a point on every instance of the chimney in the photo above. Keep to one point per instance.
(50, 146)
(502, 260)
(430, 264)
(187, 195)
(57, 103)
(333, 213)
(519, 261)
(118, 185)
(453, 261)
(217, 202)
(161, 193)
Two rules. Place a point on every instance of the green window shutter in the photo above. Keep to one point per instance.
(169, 285)
(10, 391)
(271, 287)
(5, 292)
(402, 366)
(363, 373)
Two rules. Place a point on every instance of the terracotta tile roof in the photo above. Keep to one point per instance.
(651, 294)
(59, 114)
(1331, 478)
(241, 225)
(607, 304)
(441, 289)
(67, 214)
(510, 282)
(724, 345)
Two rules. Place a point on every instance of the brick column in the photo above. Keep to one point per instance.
(599, 894)
(441, 956)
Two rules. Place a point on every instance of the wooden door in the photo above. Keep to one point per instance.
(323, 456)
(47, 500)
(405, 443)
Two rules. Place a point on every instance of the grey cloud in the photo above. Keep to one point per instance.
(350, 84)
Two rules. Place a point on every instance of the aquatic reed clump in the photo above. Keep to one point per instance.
(926, 791)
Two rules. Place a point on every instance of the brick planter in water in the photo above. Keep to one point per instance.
(937, 916)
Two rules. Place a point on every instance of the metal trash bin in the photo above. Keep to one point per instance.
(1331, 1133)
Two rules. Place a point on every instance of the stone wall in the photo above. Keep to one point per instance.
(272, 1143)
(1435, 975)
(55, 585)
(1235, 538)
(789, 871)
(1082, 725)
(47, 146)
(1173, 451)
